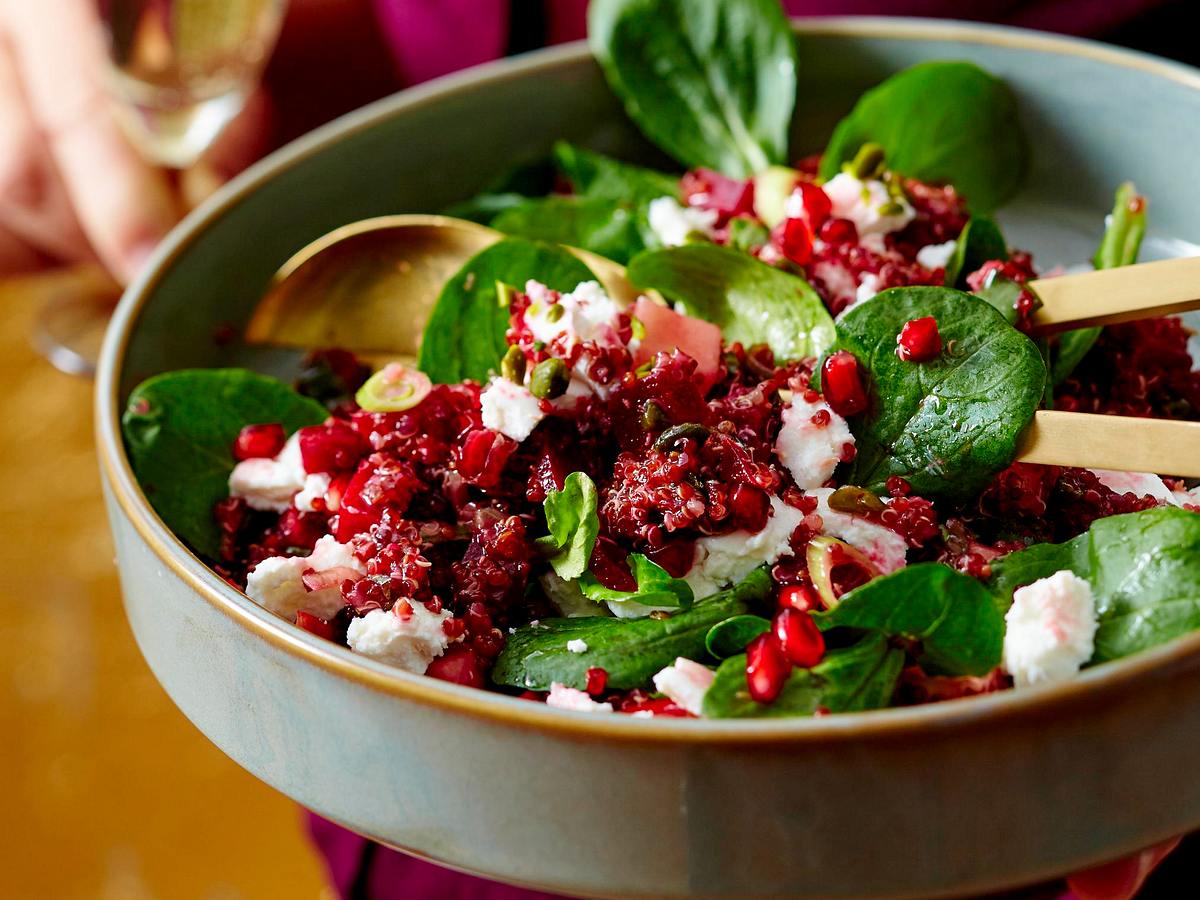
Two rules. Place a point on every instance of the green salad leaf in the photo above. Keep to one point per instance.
(515, 185)
(630, 650)
(464, 337)
(730, 637)
(611, 228)
(859, 677)
(953, 616)
(574, 523)
(748, 300)
(593, 174)
(980, 241)
(655, 586)
(950, 424)
(179, 429)
(1142, 569)
(1120, 246)
(713, 84)
(944, 122)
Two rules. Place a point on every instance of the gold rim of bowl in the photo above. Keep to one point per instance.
(1090, 687)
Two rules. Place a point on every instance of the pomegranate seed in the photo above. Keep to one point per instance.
(597, 680)
(842, 384)
(459, 665)
(259, 442)
(898, 487)
(838, 231)
(817, 206)
(919, 341)
(799, 596)
(332, 447)
(749, 507)
(820, 418)
(800, 638)
(767, 668)
(314, 625)
(796, 241)
(454, 628)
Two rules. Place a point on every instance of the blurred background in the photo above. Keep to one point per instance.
(116, 117)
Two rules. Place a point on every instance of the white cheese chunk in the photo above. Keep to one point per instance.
(935, 256)
(1140, 484)
(576, 645)
(1051, 627)
(407, 636)
(809, 451)
(864, 203)
(269, 484)
(728, 558)
(510, 409)
(315, 486)
(275, 583)
(882, 546)
(672, 222)
(563, 697)
(685, 683)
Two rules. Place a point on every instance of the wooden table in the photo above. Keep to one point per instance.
(109, 792)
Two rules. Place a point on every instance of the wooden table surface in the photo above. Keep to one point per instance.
(109, 792)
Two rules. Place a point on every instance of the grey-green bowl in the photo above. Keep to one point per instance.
(940, 800)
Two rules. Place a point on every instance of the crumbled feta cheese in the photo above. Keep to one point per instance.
(410, 642)
(864, 202)
(685, 683)
(563, 697)
(725, 559)
(935, 256)
(270, 484)
(577, 645)
(1140, 484)
(882, 546)
(588, 314)
(868, 287)
(1186, 498)
(837, 279)
(275, 583)
(1193, 349)
(672, 222)
(1051, 628)
(510, 409)
(809, 451)
(315, 486)
(642, 714)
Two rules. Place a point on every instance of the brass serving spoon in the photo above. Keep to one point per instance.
(369, 287)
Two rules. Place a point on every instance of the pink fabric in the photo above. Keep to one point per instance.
(433, 37)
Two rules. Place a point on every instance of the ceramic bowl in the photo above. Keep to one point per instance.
(949, 799)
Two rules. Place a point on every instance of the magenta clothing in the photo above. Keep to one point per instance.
(435, 37)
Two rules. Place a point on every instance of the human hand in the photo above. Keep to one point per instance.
(72, 188)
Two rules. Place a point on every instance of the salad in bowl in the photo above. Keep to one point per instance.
(784, 482)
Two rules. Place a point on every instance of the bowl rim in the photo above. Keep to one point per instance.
(1091, 687)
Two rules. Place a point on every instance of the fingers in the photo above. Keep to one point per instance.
(124, 206)
(35, 212)
(1122, 878)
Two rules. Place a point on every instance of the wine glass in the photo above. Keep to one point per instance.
(179, 71)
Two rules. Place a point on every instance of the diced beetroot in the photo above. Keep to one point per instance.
(315, 625)
(459, 665)
(712, 190)
(332, 447)
(817, 206)
(259, 441)
(667, 330)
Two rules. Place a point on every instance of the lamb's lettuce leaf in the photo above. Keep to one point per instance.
(573, 522)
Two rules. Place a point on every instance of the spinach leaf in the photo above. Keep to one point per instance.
(464, 337)
(595, 175)
(945, 122)
(1142, 569)
(1002, 295)
(980, 241)
(856, 678)
(611, 228)
(749, 300)
(630, 650)
(573, 522)
(179, 430)
(953, 616)
(512, 187)
(746, 234)
(730, 637)
(950, 424)
(713, 84)
(655, 586)
(1119, 247)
